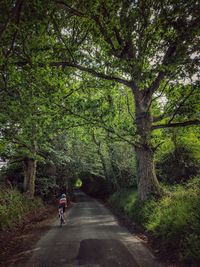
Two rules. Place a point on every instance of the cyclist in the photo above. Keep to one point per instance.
(62, 205)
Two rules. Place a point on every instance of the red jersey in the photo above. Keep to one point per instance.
(62, 201)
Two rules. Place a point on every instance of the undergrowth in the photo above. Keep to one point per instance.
(14, 206)
(174, 219)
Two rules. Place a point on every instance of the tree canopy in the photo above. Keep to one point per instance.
(113, 77)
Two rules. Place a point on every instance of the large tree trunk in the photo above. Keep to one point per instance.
(146, 176)
(29, 176)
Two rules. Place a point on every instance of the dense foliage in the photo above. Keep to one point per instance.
(15, 206)
(174, 219)
(106, 92)
(115, 71)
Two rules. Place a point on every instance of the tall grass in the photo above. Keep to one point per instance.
(14, 205)
(174, 219)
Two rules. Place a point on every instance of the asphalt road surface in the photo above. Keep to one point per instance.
(91, 237)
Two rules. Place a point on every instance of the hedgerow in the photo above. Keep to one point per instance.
(173, 219)
(14, 206)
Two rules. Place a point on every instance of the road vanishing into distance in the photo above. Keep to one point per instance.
(91, 237)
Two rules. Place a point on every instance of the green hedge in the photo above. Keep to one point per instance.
(14, 205)
(174, 219)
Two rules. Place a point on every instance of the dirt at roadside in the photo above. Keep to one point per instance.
(17, 243)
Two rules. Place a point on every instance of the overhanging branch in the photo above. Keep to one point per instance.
(161, 117)
(73, 10)
(98, 123)
(177, 124)
(91, 71)
(181, 104)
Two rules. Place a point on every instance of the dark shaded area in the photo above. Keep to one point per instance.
(105, 252)
(18, 242)
(79, 197)
(12, 175)
(94, 185)
(178, 165)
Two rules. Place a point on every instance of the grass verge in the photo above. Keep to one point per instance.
(173, 220)
(14, 206)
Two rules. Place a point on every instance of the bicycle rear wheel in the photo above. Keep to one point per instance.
(61, 220)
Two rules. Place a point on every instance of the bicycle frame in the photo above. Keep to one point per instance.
(61, 216)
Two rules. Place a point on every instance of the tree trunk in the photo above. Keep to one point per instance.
(29, 176)
(114, 168)
(148, 184)
(146, 177)
(103, 162)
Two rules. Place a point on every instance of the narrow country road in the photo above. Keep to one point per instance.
(91, 237)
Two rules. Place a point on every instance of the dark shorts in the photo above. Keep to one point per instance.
(62, 207)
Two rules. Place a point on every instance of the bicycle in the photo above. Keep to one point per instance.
(61, 216)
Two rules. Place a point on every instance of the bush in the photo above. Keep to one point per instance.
(123, 200)
(12, 173)
(45, 187)
(127, 202)
(14, 205)
(174, 219)
(179, 164)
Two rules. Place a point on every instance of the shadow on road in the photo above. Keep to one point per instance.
(105, 253)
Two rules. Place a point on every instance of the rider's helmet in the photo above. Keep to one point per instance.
(63, 195)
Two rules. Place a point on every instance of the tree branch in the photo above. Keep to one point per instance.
(177, 124)
(15, 14)
(61, 39)
(156, 97)
(105, 34)
(173, 114)
(156, 83)
(161, 117)
(16, 161)
(99, 124)
(91, 71)
(129, 109)
(181, 104)
(73, 10)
